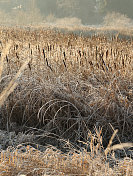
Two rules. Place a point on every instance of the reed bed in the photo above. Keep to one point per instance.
(72, 85)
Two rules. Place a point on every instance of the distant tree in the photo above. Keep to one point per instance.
(67, 3)
(47, 6)
(68, 7)
(100, 5)
(121, 6)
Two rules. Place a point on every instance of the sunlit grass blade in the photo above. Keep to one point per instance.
(12, 84)
(5, 52)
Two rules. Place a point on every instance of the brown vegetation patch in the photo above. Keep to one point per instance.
(72, 85)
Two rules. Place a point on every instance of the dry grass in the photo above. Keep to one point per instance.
(72, 84)
(26, 160)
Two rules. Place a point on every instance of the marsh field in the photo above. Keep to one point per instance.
(66, 103)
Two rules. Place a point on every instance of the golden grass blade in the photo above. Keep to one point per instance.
(118, 147)
(12, 85)
(121, 146)
(5, 52)
(110, 142)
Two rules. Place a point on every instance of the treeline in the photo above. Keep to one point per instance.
(89, 11)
